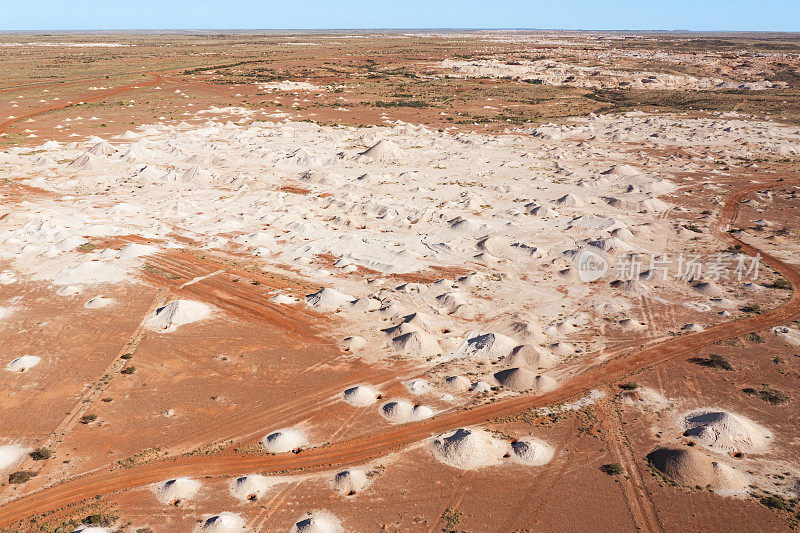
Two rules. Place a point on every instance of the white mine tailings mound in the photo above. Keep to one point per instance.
(401, 411)
(285, 440)
(457, 383)
(692, 467)
(360, 396)
(252, 487)
(353, 344)
(317, 522)
(177, 313)
(99, 302)
(10, 454)
(532, 451)
(532, 357)
(24, 363)
(328, 299)
(176, 490)
(385, 151)
(223, 523)
(136, 250)
(469, 448)
(350, 482)
(790, 335)
(523, 379)
(726, 432)
(489, 346)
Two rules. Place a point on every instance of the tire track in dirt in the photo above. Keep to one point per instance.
(365, 448)
(640, 503)
(94, 390)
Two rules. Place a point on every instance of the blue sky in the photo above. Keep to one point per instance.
(752, 15)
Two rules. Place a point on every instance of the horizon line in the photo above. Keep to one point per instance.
(412, 29)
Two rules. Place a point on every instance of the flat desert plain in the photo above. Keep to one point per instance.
(399, 281)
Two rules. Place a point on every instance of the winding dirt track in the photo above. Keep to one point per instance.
(366, 448)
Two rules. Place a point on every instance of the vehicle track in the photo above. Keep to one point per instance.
(639, 502)
(365, 448)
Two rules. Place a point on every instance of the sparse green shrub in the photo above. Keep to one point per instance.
(715, 361)
(40, 454)
(21, 476)
(612, 469)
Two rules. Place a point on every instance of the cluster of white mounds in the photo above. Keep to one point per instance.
(10, 454)
(532, 451)
(285, 440)
(551, 72)
(23, 363)
(99, 302)
(350, 482)
(328, 299)
(223, 523)
(288, 85)
(92, 529)
(317, 522)
(176, 490)
(789, 335)
(400, 411)
(693, 467)
(251, 487)
(361, 395)
(523, 379)
(726, 432)
(177, 313)
(469, 448)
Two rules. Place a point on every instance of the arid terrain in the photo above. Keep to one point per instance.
(399, 281)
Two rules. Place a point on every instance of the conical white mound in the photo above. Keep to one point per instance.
(726, 432)
(24, 363)
(532, 451)
(285, 440)
(317, 522)
(175, 490)
(350, 482)
(223, 523)
(469, 448)
(360, 396)
(177, 313)
(384, 150)
(251, 487)
(328, 299)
